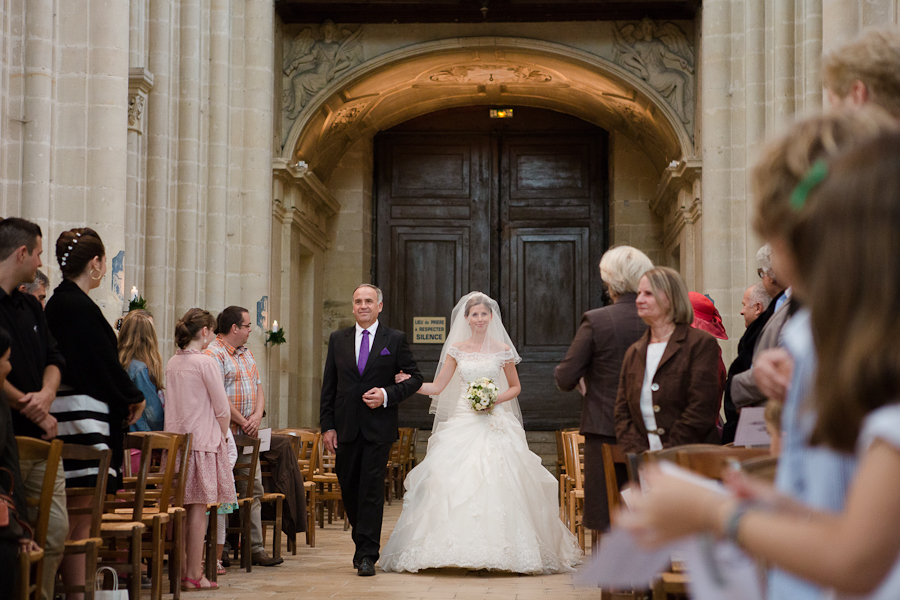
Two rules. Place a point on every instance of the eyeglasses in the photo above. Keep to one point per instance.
(760, 272)
(247, 325)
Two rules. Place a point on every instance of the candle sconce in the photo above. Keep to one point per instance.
(275, 336)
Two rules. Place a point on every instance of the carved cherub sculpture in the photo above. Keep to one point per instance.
(652, 53)
(310, 64)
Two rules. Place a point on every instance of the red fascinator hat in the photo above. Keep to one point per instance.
(706, 316)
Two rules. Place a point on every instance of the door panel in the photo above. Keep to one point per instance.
(520, 217)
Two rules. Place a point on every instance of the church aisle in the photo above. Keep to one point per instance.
(325, 572)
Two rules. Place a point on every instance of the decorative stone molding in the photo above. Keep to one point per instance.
(304, 201)
(347, 115)
(661, 55)
(312, 61)
(490, 73)
(140, 82)
(679, 176)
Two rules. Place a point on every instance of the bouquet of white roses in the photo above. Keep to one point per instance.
(482, 394)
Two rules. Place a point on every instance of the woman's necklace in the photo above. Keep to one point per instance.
(655, 338)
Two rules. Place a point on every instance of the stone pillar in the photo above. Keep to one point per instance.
(256, 188)
(39, 79)
(140, 83)
(188, 219)
(718, 193)
(218, 173)
(159, 250)
(107, 144)
(784, 61)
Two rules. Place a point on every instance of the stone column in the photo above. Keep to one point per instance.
(139, 85)
(718, 192)
(39, 78)
(784, 61)
(256, 188)
(160, 240)
(188, 219)
(107, 144)
(217, 174)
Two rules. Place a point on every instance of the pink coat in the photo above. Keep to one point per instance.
(195, 399)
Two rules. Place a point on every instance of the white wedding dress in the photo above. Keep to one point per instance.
(480, 499)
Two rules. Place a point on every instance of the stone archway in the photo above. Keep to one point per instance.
(319, 216)
(423, 78)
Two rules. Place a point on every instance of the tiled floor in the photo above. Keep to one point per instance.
(326, 572)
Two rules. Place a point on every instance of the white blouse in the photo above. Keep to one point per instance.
(654, 355)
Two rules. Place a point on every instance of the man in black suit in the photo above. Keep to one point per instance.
(358, 414)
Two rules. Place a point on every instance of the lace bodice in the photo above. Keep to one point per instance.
(472, 365)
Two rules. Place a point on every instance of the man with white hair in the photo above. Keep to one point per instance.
(742, 387)
(754, 309)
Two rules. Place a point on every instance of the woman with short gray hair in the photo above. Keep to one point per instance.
(592, 364)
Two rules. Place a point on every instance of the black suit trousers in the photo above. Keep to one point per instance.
(361, 467)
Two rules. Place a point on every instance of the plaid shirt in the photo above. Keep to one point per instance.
(240, 374)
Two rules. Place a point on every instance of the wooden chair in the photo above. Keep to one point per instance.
(31, 564)
(173, 546)
(713, 463)
(398, 464)
(763, 467)
(328, 490)
(278, 501)
(89, 547)
(574, 447)
(144, 499)
(612, 456)
(244, 478)
(561, 472)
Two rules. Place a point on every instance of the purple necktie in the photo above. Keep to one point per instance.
(363, 351)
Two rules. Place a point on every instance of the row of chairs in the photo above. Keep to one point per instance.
(144, 521)
(708, 460)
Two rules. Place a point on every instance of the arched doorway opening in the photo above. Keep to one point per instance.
(325, 228)
(514, 207)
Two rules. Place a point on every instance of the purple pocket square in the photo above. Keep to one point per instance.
(385, 352)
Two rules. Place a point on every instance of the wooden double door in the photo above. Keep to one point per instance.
(521, 217)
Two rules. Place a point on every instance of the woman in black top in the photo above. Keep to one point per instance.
(97, 401)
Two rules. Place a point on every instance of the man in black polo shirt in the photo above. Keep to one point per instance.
(36, 369)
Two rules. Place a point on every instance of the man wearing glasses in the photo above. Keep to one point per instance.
(245, 393)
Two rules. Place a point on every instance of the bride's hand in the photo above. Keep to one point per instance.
(401, 377)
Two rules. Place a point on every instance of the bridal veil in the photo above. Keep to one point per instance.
(497, 341)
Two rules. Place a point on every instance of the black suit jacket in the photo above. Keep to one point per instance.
(342, 407)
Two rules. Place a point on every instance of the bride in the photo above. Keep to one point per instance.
(480, 499)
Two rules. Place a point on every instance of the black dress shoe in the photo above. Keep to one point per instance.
(355, 563)
(366, 567)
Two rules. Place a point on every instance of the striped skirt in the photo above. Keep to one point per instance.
(86, 421)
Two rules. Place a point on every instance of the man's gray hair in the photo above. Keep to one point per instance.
(39, 279)
(374, 287)
(764, 260)
(622, 267)
(758, 294)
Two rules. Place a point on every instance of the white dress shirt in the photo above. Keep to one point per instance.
(359, 338)
(654, 355)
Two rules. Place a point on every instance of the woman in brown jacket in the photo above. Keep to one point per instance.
(668, 387)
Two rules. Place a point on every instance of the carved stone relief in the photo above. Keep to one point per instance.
(135, 110)
(347, 115)
(660, 55)
(490, 73)
(313, 60)
(140, 82)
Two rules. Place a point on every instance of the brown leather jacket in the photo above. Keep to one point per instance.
(685, 392)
